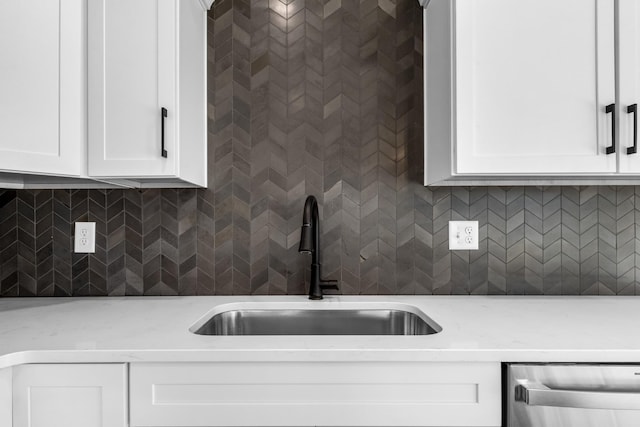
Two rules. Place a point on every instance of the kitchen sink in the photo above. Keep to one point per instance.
(334, 319)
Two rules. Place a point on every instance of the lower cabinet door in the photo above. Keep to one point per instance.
(70, 395)
(315, 394)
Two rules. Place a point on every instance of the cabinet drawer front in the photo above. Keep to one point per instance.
(315, 393)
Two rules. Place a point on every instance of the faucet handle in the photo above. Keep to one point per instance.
(329, 284)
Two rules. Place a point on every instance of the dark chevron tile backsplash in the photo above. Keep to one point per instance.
(324, 98)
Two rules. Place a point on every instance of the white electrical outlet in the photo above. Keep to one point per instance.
(85, 238)
(463, 235)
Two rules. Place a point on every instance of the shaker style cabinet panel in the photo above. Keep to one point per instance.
(519, 88)
(533, 78)
(147, 90)
(42, 87)
(629, 84)
(315, 394)
(70, 395)
(6, 397)
(103, 93)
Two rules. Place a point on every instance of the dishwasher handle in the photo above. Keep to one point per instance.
(537, 394)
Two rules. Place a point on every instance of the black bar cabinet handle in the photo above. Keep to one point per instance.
(611, 108)
(634, 109)
(163, 152)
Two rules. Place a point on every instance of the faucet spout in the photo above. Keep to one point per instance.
(310, 243)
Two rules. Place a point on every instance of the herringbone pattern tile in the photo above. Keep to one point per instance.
(133, 244)
(496, 241)
(459, 274)
(62, 243)
(625, 241)
(8, 244)
(97, 212)
(169, 240)
(187, 241)
(423, 233)
(80, 284)
(552, 241)
(152, 244)
(636, 263)
(115, 243)
(442, 266)
(319, 97)
(570, 240)
(563, 223)
(515, 240)
(533, 240)
(607, 240)
(44, 243)
(221, 97)
(589, 241)
(26, 251)
(479, 260)
(205, 260)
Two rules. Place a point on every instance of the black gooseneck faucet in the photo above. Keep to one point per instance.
(310, 244)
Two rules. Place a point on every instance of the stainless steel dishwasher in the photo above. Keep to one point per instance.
(572, 395)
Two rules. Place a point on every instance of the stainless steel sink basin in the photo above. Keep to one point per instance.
(353, 319)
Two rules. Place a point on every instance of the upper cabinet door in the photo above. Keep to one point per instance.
(42, 90)
(629, 83)
(132, 80)
(532, 82)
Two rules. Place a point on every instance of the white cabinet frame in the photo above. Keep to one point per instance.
(43, 87)
(147, 91)
(70, 395)
(315, 394)
(460, 150)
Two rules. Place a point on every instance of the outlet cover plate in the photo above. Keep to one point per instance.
(85, 238)
(463, 235)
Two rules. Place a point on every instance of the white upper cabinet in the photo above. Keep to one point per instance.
(629, 83)
(147, 90)
(103, 93)
(42, 87)
(533, 78)
(521, 89)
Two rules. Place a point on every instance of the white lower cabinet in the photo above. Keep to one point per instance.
(251, 394)
(6, 397)
(70, 395)
(315, 394)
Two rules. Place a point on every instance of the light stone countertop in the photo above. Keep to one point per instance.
(475, 329)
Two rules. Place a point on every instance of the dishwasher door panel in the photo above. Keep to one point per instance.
(568, 395)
